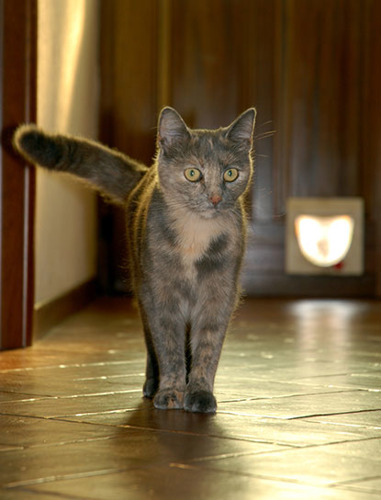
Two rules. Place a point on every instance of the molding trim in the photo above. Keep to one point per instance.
(49, 314)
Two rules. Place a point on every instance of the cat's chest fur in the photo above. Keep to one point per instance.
(194, 235)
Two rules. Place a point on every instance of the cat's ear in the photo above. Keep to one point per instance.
(241, 130)
(171, 128)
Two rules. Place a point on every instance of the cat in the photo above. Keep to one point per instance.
(186, 234)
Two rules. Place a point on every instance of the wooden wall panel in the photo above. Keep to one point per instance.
(203, 66)
(129, 74)
(322, 82)
(310, 69)
(319, 54)
(215, 73)
(370, 131)
(129, 70)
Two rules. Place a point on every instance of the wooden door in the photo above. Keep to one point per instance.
(18, 24)
(312, 70)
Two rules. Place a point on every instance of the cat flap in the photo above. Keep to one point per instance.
(171, 127)
(243, 127)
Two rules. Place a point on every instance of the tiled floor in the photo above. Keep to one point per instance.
(299, 415)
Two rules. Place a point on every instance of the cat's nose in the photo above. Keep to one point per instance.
(215, 199)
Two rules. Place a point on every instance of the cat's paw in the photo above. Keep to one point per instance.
(169, 399)
(200, 402)
(150, 387)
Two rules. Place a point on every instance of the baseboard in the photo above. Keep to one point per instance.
(50, 314)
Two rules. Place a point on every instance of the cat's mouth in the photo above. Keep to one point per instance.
(211, 211)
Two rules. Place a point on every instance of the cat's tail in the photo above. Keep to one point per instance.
(106, 170)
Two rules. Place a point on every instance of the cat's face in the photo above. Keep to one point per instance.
(204, 171)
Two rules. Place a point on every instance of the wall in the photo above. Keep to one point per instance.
(67, 96)
(311, 68)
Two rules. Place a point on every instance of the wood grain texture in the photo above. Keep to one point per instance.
(370, 129)
(129, 110)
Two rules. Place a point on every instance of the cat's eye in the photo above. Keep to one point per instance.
(192, 174)
(231, 175)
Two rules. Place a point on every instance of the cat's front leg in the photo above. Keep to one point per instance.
(168, 337)
(151, 383)
(206, 349)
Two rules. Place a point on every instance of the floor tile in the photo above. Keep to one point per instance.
(306, 405)
(84, 378)
(296, 433)
(191, 483)
(27, 432)
(372, 486)
(318, 465)
(74, 404)
(356, 420)
(123, 449)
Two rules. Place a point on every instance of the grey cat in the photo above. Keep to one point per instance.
(186, 237)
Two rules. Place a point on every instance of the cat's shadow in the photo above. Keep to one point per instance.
(173, 446)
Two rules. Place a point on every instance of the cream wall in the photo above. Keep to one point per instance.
(67, 94)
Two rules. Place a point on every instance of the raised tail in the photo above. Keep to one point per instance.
(110, 172)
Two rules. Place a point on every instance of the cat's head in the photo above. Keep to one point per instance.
(205, 171)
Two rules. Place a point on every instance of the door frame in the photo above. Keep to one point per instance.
(18, 104)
